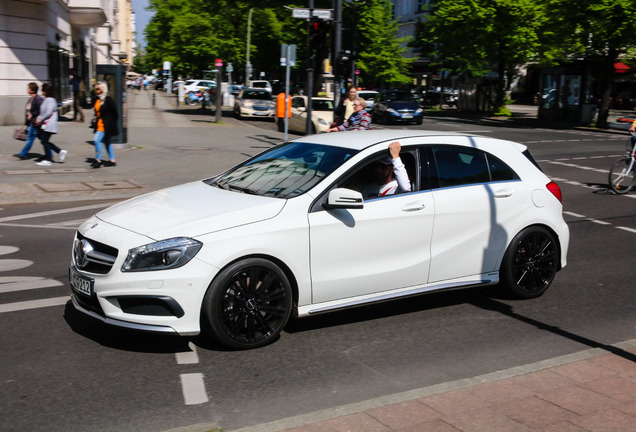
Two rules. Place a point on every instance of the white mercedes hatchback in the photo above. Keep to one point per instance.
(289, 233)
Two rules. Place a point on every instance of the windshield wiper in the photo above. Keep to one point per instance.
(242, 189)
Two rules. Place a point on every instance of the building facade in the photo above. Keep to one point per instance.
(42, 40)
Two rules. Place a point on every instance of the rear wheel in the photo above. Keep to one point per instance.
(530, 263)
(248, 304)
(620, 178)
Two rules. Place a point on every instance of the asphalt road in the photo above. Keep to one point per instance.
(61, 372)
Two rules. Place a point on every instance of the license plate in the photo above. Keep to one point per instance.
(81, 284)
(257, 113)
(407, 116)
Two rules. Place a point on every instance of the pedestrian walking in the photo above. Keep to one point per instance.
(31, 113)
(75, 82)
(46, 122)
(107, 115)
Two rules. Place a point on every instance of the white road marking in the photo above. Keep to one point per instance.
(193, 389)
(37, 226)
(632, 230)
(189, 357)
(6, 250)
(33, 304)
(14, 264)
(53, 212)
(23, 283)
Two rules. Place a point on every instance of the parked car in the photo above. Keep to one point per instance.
(253, 102)
(396, 106)
(235, 89)
(264, 84)
(196, 85)
(321, 115)
(369, 97)
(288, 233)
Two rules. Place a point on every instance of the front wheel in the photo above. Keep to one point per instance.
(248, 304)
(530, 263)
(621, 177)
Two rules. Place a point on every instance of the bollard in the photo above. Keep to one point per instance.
(154, 97)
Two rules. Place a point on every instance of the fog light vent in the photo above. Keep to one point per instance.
(150, 306)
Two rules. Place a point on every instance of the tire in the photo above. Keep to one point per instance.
(191, 102)
(530, 263)
(619, 181)
(248, 304)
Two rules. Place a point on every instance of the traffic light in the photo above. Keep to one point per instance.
(317, 33)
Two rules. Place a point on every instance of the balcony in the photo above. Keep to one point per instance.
(87, 13)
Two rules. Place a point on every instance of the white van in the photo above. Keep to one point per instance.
(263, 84)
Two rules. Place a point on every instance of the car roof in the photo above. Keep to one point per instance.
(359, 140)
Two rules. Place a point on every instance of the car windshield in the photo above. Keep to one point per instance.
(322, 105)
(261, 95)
(399, 96)
(285, 171)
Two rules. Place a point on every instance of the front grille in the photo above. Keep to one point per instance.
(99, 258)
(150, 306)
(260, 108)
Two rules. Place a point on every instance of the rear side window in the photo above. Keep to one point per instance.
(458, 166)
(499, 171)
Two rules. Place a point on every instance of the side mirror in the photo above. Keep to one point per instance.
(342, 198)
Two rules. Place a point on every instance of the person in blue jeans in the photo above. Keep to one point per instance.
(32, 112)
(46, 122)
(106, 113)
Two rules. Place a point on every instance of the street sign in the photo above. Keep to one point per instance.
(218, 62)
(323, 14)
(288, 55)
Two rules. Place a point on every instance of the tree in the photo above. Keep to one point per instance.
(475, 37)
(601, 31)
(380, 58)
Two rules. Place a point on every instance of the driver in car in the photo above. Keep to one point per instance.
(389, 175)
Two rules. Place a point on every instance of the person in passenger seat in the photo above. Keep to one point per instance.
(389, 175)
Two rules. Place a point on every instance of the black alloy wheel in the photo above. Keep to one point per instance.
(248, 304)
(530, 263)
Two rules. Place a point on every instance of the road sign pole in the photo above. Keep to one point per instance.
(310, 69)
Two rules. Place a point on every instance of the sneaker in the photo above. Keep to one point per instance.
(44, 163)
(63, 154)
(19, 156)
(110, 164)
(96, 164)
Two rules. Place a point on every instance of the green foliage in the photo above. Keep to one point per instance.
(380, 59)
(192, 33)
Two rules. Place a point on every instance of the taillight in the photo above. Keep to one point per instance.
(555, 189)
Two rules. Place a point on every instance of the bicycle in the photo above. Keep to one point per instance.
(621, 176)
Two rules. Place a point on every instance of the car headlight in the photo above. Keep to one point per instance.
(392, 111)
(419, 111)
(161, 255)
(323, 122)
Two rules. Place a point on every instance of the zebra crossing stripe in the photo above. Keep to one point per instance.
(33, 304)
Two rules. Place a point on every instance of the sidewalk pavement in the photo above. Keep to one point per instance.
(588, 391)
(166, 146)
(592, 390)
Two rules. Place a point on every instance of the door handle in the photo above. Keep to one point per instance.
(415, 206)
(503, 193)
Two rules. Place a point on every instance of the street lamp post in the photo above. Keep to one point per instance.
(248, 66)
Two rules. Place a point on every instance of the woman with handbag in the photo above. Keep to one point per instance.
(32, 111)
(46, 122)
(106, 127)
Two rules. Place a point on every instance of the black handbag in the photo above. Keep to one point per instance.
(93, 124)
